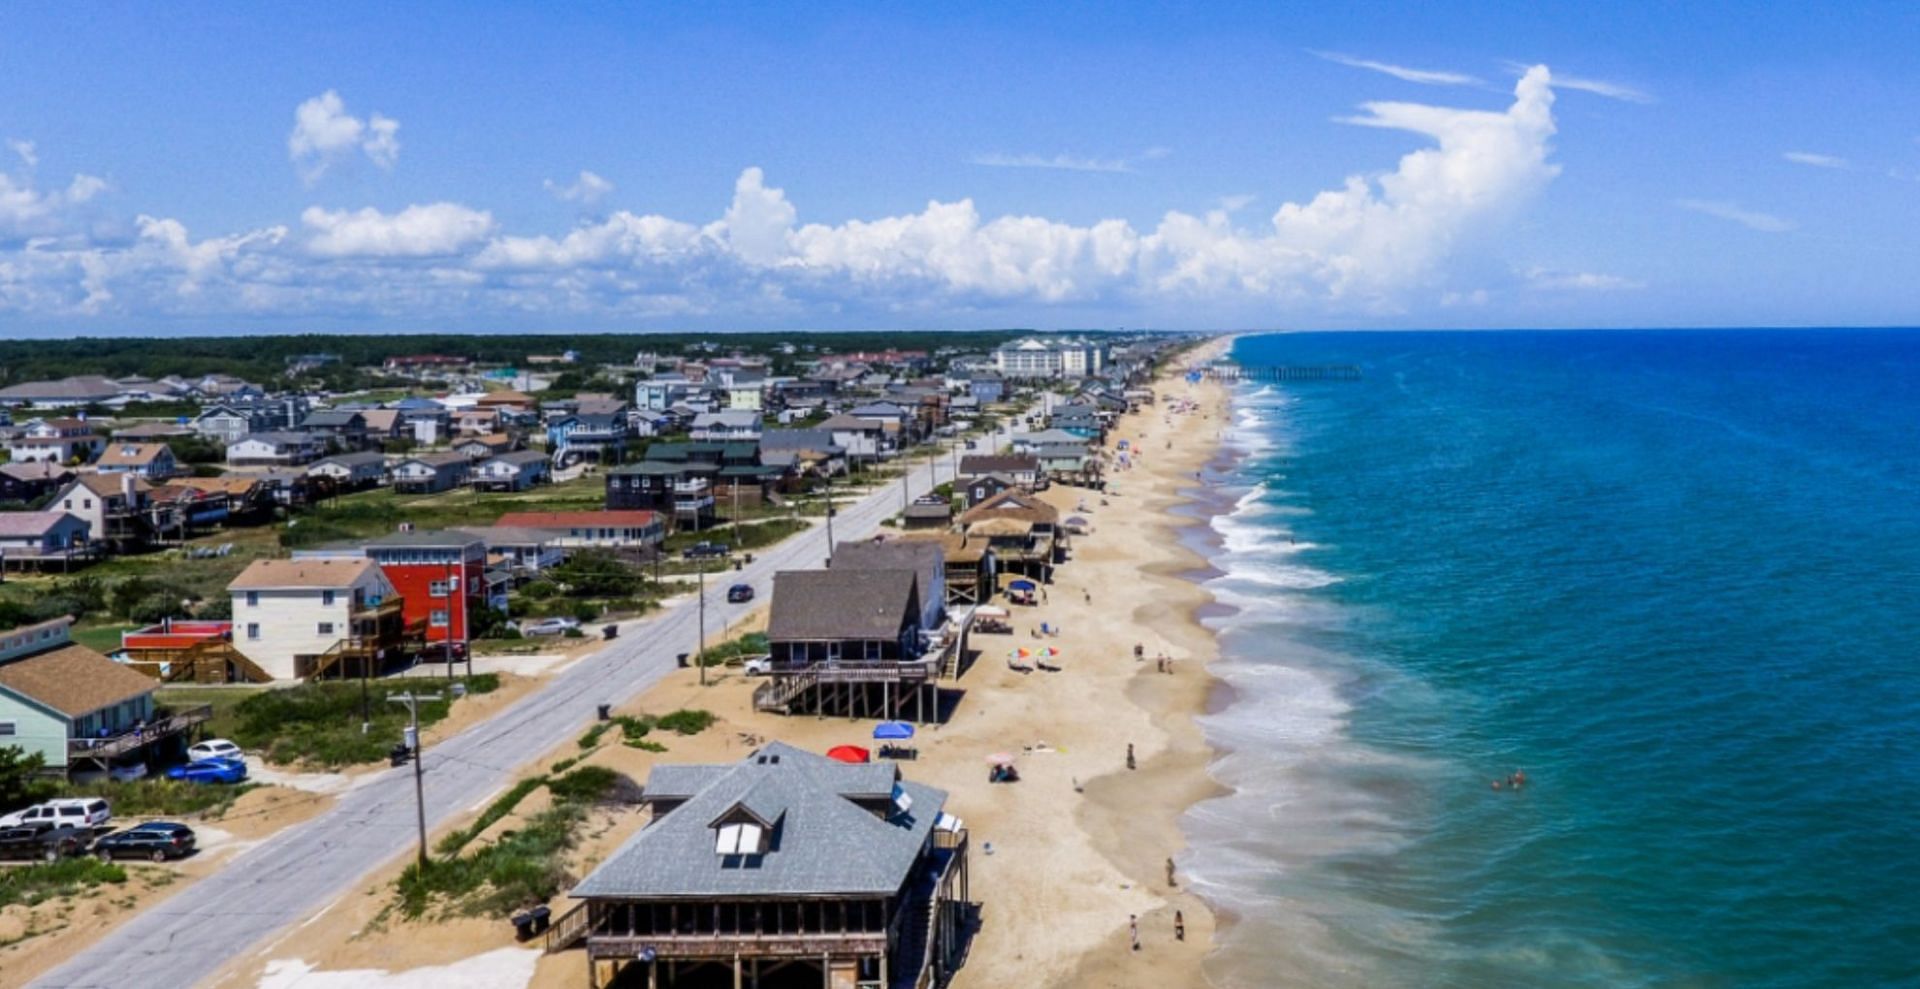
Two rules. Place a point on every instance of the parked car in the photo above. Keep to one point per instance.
(758, 666)
(706, 551)
(127, 772)
(210, 771)
(86, 813)
(156, 840)
(43, 841)
(549, 626)
(739, 593)
(213, 748)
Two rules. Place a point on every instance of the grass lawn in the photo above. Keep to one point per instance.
(380, 511)
(101, 638)
(317, 724)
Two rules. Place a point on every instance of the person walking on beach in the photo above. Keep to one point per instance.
(1170, 881)
(1130, 763)
(1139, 651)
(1133, 930)
(1179, 926)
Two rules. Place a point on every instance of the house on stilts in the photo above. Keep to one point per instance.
(786, 869)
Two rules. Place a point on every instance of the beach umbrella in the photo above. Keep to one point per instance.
(892, 730)
(1000, 759)
(1024, 585)
(849, 753)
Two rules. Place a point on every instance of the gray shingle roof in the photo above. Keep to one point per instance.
(842, 604)
(823, 842)
(925, 559)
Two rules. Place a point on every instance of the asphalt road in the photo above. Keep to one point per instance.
(293, 876)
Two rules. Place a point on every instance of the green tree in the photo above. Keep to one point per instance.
(21, 779)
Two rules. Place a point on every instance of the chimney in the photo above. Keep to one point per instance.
(126, 488)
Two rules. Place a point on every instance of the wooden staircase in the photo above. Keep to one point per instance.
(568, 929)
(780, 692)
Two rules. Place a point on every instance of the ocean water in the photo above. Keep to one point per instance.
(1674, 577)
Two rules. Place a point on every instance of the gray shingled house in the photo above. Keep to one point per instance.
(849, 641)
(783, 869)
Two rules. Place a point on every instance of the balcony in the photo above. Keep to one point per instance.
(115, 746)
(728, 946)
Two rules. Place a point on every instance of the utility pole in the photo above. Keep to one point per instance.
(829, 517)
(412, 701)
(702, 654)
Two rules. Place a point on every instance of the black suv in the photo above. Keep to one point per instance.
(43, 841)
(706, 551)
(156, 840)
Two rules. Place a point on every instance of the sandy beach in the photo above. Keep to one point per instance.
(1079, 845)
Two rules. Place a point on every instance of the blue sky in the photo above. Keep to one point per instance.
(203, 168)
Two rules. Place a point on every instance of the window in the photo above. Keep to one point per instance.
(438, 618)
(739, 839)
(8, 729)
(326, 598)
(437, 589)
(253, 599)
(253, 630)
(326, 628)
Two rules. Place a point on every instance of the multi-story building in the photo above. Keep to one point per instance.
(297, 618)
(1033, 357)
(440, 576)
(60, 441)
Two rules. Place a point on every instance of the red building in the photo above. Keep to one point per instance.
(440, 575)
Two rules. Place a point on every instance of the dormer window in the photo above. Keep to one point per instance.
(742, 838)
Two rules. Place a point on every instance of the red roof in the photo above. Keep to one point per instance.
(578, 520)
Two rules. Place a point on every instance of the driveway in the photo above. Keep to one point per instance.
(293, 875)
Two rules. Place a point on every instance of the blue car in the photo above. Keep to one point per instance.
(210, 771)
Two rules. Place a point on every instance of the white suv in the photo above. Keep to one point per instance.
(213, 748)
(86, 813)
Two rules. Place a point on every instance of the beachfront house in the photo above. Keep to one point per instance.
(923, 559)
(783, 869)
(851, 642)
(1020, 468)
(59, 441)
(1023, 531)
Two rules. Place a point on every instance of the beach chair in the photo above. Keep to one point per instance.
(1018, 667)
(1049, 667)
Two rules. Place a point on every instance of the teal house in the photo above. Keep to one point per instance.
(77, 708)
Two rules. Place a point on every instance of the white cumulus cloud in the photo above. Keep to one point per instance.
(586, 190)
(417, 231)
(1373, 242)
(325, 134)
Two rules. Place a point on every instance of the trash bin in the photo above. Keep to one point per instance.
(737, 564)
(606, 712)
(682, 660)
(398, 755)
(541, 916)
(610, 632)
(749, 557)
(522, 926)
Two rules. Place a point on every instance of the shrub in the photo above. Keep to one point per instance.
(686, 721)
(162, 797)
(37, 883)
(585, 785)
(592, 737)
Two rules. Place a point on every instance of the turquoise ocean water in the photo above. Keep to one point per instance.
(1674, 577)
